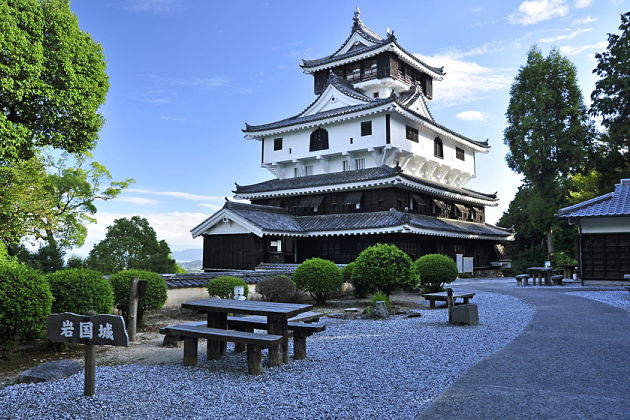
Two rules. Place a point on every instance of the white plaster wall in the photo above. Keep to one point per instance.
(605, 225)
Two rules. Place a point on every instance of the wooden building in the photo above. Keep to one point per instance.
(603, 223)
(364, 163)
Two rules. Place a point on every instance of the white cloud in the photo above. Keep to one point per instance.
(178, 194)
(570, 35)
(581, 4)
(173, 227)
(137, 200)
(472, 116)
(485, 48)
(534, 11)
(465, 81)
(211, 206)
(574, 50)
(585, 21)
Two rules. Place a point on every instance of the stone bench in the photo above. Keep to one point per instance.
(192, 333)
(441, 296)
(522, 279)
(557, 279)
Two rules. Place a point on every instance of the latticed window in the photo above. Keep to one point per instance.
(411, 134)
(360, 163)
(277, 144)
(369, 69)
(319, 140)
(459, 153)
(438, 148)
(366, 128)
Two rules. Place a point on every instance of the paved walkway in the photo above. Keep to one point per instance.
(571, 362)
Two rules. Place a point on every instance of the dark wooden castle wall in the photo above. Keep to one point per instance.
(344, 249)
(242, 251)
(380, 199)
(605, 256)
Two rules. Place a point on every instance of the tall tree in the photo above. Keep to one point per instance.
(548, 133)
(611, 102)
(131, 244)
(52, 80)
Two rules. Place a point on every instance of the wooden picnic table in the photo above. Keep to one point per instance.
(441, 296)
(277, 319)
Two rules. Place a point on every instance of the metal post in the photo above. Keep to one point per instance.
(89, 384)
(449, 303)
(133, 308)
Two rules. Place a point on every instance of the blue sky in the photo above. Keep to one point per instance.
(185, 75)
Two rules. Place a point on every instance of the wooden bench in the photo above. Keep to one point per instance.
(301, 330)
(192, 333)
(441, 296)
(522, 279)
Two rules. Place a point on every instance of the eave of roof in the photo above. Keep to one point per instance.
(613, 204)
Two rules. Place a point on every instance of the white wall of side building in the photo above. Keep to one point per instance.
(605, 224)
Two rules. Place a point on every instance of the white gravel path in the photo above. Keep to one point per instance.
(617, 298)
(358, 369)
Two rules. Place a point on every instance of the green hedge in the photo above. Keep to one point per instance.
(25, 303)
(81, 290)
(435, 270)
(385, 268)
(318, 277)
(223, 287)
(154, 298)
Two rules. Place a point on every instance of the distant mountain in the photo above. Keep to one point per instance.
(190, 266)
(187, 255)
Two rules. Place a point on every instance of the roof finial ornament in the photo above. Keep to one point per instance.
(357, 14)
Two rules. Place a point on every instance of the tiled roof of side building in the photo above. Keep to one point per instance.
(369, 174)
(265, 217)
(457, 226)
(348, 221)
(616, 203)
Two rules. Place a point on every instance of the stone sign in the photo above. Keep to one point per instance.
(101, 330)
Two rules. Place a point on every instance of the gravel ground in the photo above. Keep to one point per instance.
(356, 369)
(618, 298)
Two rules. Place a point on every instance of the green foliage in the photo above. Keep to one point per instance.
(25, 302)
(277, 288)
(223, 287)
(434, 271)
(75, 262)
(53, 80)
(154, 298)
(611, 102)
(80, 291)
(131, 244)
(383, 267)
(550, 138)
(318, 277)
(560, 257)
(360, 289)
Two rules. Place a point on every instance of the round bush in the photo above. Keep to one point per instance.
(81, 290)
(318, 277)
(277, 288)
(153, 299)
(385, 268)
(435, 270)
(25, 302)
(223, 287)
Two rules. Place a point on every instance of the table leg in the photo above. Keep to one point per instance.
(278, 353)
(432, 304)
(216, 349)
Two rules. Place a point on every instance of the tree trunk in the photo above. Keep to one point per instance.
(550, 249)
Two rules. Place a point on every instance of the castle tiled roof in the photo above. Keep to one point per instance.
(360, 175)
(616, 203)
(277, 220)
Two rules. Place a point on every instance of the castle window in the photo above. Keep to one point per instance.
(296, 172)
(308, 170)
(438, 148)
(366, 128)
(353, 72)
(319, 140)
(412, 134)
(360, 163)
(277, 144)
(369, 69)
(376, 95)
(346, 166)
(459, 153)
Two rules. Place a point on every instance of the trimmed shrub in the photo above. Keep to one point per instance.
(359, 290)
(383, 267)
(435, 270)
(25, 302)
(277, 288)
(318, 277)
(81, 290)
(154, 298)
(223, 287)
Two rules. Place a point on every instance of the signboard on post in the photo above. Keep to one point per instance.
(100, 330)
(91, 330)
